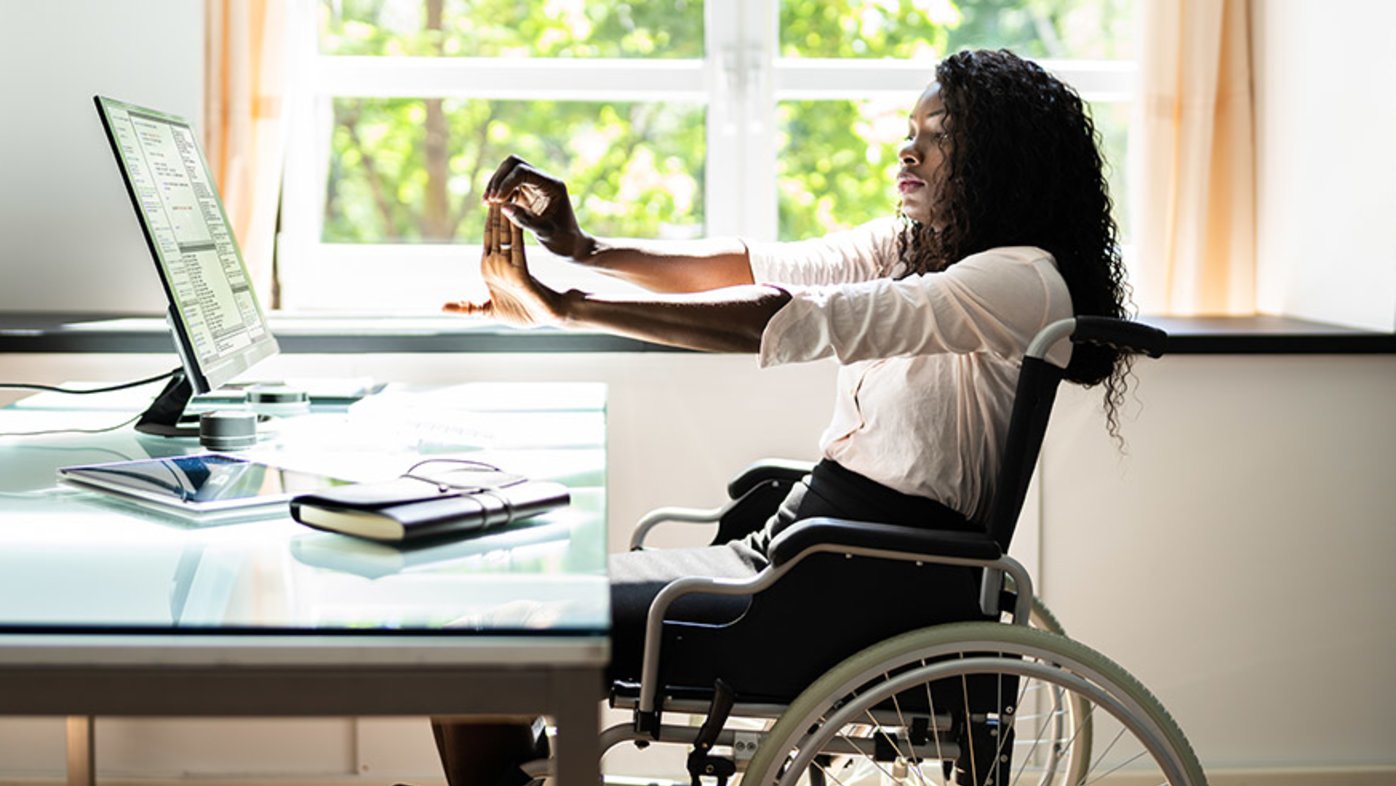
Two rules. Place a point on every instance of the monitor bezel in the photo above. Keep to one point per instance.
(199, 378)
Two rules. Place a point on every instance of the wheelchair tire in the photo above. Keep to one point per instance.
(1069, 709)
(858, 706)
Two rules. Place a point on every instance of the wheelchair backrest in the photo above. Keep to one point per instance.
(1033, 398)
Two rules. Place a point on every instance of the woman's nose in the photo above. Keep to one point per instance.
(907, 154)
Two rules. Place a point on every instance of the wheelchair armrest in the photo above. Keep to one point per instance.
(787, 470)
(825, 532)
(741, 516)
(663, 515)
(758, 487)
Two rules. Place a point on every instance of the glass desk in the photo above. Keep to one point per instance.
(107, 608)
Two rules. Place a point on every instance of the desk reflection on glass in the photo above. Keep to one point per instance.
(266, 617)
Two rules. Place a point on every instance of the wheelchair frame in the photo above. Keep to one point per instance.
(1100, 681)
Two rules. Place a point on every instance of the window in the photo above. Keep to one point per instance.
(668, 118)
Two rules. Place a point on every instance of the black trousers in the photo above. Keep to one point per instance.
(832, 491)
(793, 631)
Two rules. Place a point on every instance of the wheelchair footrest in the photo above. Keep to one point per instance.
(700, 763)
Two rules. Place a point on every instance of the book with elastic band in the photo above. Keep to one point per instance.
(413, 508)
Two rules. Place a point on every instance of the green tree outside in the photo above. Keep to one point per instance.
(412, 170)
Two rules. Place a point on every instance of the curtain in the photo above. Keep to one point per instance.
(1195, 223)
(245, 112)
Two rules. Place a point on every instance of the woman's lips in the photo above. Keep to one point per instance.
(906, 185)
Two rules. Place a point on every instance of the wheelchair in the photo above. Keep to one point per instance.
(994, 693)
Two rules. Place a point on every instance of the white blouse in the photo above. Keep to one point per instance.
(928, 362)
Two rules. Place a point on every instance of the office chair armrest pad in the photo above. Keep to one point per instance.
(863, 535)
(788, 470)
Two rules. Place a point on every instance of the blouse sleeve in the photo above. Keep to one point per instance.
(859, 254)
(991, 302)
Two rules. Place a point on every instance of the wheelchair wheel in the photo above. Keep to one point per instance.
(1066, 716)
(1069, 712)
(951, 704)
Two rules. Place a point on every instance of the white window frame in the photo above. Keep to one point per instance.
(741, 81)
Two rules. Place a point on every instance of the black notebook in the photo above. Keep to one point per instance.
(418, 506)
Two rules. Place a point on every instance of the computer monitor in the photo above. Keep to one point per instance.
(218, 324)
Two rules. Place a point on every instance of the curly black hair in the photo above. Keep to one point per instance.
(1025, 169)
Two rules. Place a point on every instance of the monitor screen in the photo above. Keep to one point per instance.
(219, 327)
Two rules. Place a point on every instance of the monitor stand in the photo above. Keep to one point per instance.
(165, 416)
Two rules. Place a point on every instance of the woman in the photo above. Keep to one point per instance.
(1004, 227)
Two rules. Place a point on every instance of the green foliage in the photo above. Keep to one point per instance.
(518, 28)
(837, 165)
(412, 170)
(857, 28)
(634, 169)
(930, 28)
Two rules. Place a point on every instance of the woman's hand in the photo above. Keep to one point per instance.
(516, 297)
(538, 202)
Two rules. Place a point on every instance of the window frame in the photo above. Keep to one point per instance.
(741, 80)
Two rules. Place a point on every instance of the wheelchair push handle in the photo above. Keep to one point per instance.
(1119, 334)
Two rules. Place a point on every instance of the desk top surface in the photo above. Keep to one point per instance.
(83, 563)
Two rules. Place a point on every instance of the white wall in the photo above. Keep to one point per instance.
(1326, 168)
(64, 214)
(1238, 559)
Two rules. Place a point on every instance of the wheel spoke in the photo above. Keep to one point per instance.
(913, 759)
(1047, 714)
(853, 742)
(1118, 767)
(910, 756)
(969, 728)
(828, 773)
(935, 728)
(1100, 761)
(1005, 733)
(1037, 740)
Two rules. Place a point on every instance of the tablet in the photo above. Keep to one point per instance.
(203, 486)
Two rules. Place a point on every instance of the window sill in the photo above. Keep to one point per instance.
(107, 333)
(1268, 335)
(338, 334)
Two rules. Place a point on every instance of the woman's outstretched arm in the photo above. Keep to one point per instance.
(538, 202)
(722, 320)
(731, 319)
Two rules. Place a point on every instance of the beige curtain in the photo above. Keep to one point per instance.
(245, 121)
(1196, 213)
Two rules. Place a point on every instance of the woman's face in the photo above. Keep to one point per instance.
(921, 179)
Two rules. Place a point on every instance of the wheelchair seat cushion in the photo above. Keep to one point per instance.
(637, 576)
(826, 608)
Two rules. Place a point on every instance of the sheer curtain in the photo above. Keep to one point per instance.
(247, 81)
(1195, 224)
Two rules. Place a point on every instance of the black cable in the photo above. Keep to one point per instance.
(122, 386)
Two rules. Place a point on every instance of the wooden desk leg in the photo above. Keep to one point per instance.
(82, 753)
(578, 717)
